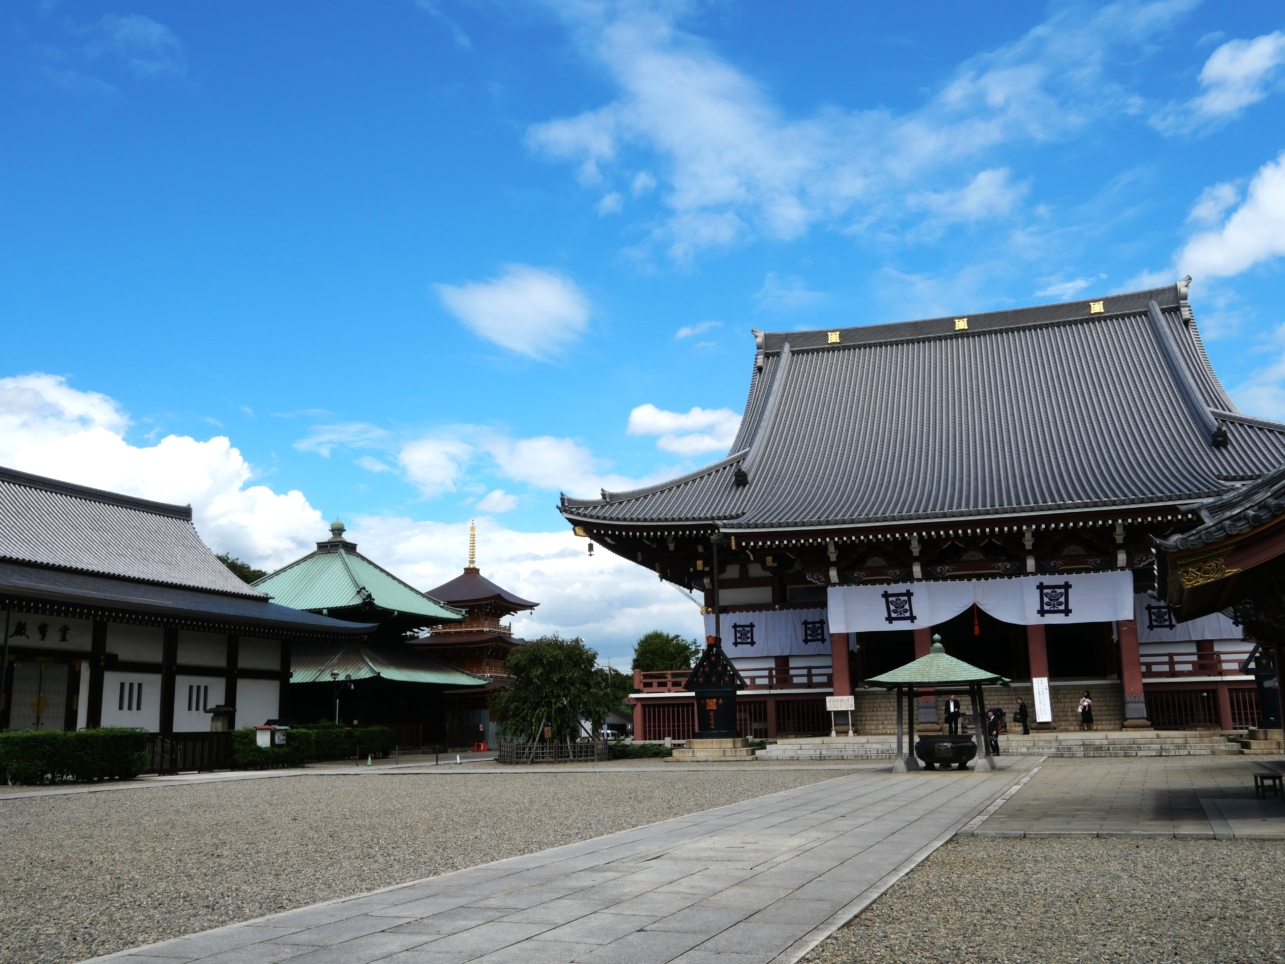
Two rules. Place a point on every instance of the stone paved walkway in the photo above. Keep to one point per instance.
(1144, 796)
(755, 882)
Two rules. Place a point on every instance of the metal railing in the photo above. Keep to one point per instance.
(769, 678)
(175, 752)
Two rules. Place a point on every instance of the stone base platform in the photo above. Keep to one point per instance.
(1263, 743)
(713, 751)
(1094, 743)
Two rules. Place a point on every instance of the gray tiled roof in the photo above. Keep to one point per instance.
(77, 593)
(1233, 514)
(50, 523)
(1040, 409)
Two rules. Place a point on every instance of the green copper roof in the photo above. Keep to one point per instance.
(937, 669)
(314, 662)
(337, 576)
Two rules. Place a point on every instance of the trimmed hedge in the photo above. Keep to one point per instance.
(319, 741)
(51, 756)
(637, 751)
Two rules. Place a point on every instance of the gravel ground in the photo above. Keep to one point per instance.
(93, 873)
(1054, 901)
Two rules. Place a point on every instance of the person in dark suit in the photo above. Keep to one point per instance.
(1022, 715)
(952, 714)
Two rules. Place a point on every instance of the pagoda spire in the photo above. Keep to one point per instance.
(472, 544)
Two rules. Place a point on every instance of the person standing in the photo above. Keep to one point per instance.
(952, 715)
(1022, 715)
(1086, 712)
(992, 729)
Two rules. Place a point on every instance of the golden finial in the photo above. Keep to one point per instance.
(472, 545)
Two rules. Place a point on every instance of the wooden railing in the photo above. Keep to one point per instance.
(769, 678)
(175, 752)
(1194, 664)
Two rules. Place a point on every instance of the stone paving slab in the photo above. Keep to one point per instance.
(1167, 797)
(755, 882)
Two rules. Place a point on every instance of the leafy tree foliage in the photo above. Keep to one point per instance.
(661, 651)
(557, 683)
(243, 570)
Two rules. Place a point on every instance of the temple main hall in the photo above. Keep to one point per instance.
(998, 479)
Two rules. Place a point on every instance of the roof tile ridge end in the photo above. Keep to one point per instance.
(768, 413)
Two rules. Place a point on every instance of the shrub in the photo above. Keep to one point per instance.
(637, 751)
(248, 755)
(374, 740)
(109, 753)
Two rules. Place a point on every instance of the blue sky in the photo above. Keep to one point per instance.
(411, 263)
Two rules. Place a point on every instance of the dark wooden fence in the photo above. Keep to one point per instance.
(175, 752)
(584, 752)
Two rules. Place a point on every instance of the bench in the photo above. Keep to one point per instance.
(1265, 783)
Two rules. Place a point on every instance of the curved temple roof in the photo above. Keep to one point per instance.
(337, 576)
(471, 588)
(1060, 407)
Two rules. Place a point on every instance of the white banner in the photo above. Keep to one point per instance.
(841, 704)
(774, 632)
(1157, 624)
(1043, 705)
(1094, 597)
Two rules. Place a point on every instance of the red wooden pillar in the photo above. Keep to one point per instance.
(923, 641)
(638, 724)
(927, 702)
(771, 717)
(839, 664)
(1224, 707)
(1135, 701)
(1037, 652)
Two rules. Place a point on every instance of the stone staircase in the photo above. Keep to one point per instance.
(1263, 743)
(1095, 743)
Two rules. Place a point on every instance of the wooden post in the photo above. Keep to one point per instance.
(1135, 701)
(1037, 654)
(912, 704)
(840, 678)
(283, 694)
(899, 760)
(169, 657)
(97, 662)
(1224, 707)
(985, 762)
(927, 699)
(229, 687)
(771, 717)
(638, 719)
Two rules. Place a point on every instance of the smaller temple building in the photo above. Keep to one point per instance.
(380, 680)
(116, 614)
(478, 644)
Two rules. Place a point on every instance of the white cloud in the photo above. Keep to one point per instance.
(737, 167)
(611, 203)
(786, 293)
(642, 183)
(687, 331)
(323, 439)
(1236, 75)
(991, 194)
(149, 49)
(497, 501)
(1213, 204)
(607, 600)
(49, 428)
(686, 433)
(1066, 290)
(1252, 234)
(372, 464)
(1263, 393)
(457, 32)
(556, 464)
(526, 310)
(435, 464)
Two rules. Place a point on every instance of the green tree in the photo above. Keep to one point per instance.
(243, 570)
(557, 683)
(659, 651)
